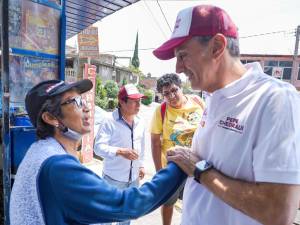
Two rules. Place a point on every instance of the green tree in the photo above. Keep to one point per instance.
(135, 62)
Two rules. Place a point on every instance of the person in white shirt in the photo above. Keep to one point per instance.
(121, 142)
(244, 166)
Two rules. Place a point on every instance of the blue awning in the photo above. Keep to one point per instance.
(83, 13)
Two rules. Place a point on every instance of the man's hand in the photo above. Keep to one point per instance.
(184, 158)
(141, 173)
(128, 153)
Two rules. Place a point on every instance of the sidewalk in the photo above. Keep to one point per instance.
(153, 218)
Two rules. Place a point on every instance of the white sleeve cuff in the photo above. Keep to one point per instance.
(282, 177)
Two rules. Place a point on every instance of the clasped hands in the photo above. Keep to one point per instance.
(184, 158)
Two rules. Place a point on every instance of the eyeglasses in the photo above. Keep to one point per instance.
(172, 91)
(78, 100)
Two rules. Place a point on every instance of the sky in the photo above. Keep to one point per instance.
(117, 32)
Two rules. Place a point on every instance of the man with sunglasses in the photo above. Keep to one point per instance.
(121, 142)
(52, 187)
(173, 123)
(248, 140)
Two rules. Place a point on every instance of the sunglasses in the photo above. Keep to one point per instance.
(168, 93)
(77, 100)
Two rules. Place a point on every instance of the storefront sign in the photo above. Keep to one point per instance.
(88, 43)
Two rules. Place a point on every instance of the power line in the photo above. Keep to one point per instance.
(129, 50)
(162, 12)
(269, 33)
(154, 18)
(249, 36)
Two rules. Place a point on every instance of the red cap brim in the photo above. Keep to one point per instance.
(166, 50)
(136, 96)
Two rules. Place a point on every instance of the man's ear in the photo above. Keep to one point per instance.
(50, 119)
(219, 45)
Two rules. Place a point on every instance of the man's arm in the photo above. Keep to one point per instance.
(156, 151)
(268, 203)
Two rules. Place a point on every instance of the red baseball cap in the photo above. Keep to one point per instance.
(201, 20)
(130, 91)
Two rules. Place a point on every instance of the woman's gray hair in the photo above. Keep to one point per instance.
(232, 44)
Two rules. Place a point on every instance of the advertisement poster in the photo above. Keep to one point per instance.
(34, 26)
(88, 42)
(25, 72)
(87, 145)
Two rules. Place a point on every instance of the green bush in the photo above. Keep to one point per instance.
(101, 102)
(141, 88)
(111, 88)
(149, 94)
(112, 103)
(124, 81)
(100, 91)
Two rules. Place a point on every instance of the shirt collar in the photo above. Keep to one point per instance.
(237, 86)
(117, 115)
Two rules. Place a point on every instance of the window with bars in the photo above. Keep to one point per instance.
(286, 66)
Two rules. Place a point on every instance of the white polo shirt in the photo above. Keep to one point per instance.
(249, 131)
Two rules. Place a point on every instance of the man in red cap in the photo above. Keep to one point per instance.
(121, 142)
(248, 166)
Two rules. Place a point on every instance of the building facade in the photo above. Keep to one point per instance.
(284, 67)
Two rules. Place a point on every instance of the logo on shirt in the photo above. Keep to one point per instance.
(231, 124)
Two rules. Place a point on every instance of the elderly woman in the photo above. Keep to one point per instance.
(52, 187)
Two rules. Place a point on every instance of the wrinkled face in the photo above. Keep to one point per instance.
(195, 61)
(131, 107)
(173, 95)
(76, 113)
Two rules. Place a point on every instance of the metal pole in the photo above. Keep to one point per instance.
(6, 154)
(62, 42)
(297, 43)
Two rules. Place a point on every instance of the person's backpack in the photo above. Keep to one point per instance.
(163, 107)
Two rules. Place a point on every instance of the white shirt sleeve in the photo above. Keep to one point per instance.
(276, 152)
(102, 140)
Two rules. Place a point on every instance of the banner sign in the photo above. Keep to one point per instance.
(34, 26)
(27, 71)
(88, 43)
(87, 146)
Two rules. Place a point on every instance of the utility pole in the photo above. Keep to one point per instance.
(297, 42)
(295, 58)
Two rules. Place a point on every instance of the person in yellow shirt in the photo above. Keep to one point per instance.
(174, 123)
